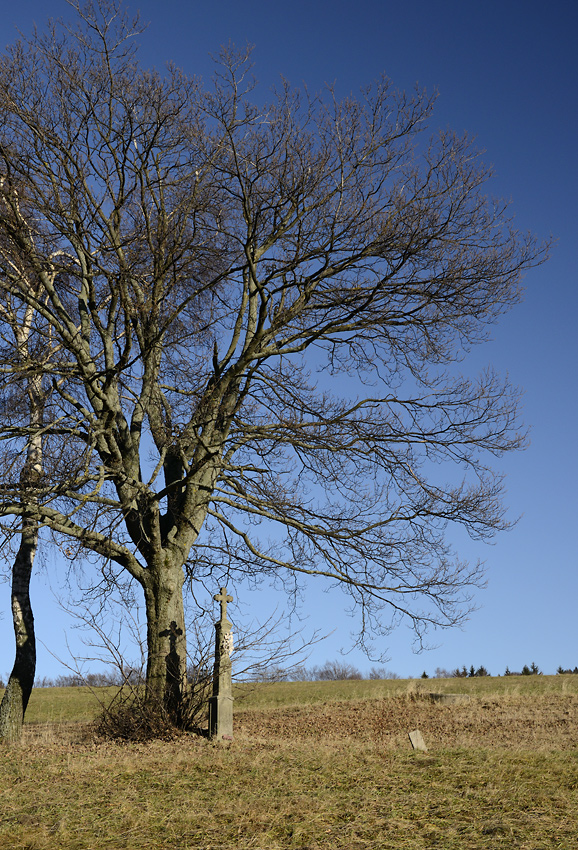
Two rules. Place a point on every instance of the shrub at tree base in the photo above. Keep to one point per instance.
(132, 717)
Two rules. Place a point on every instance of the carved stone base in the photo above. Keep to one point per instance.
(221, 718)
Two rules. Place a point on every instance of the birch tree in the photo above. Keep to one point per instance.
(259, 309)
(23, 400)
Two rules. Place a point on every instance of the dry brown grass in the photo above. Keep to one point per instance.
(501, 772)
(547, 721)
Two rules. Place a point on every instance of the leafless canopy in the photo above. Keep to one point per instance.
(253, 312)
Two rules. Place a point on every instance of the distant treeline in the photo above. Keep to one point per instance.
(330, 671)
(333, 670)
(465, 672)
(92, 680)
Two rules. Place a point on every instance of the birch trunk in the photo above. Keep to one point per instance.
(21, 681)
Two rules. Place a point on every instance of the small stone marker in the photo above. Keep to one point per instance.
(221, 703)
(417, 740)
(449, 699)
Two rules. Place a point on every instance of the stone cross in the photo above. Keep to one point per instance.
(221, 703)
(223, 598)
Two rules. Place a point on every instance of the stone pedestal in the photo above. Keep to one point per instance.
(221, 702)
(221, 718)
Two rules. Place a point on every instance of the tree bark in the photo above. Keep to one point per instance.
(166, 676)
(21, 681)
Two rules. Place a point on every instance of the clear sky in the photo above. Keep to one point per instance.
(507, 72)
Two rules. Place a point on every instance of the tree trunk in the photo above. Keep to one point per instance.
(21, 679)
(166, 677)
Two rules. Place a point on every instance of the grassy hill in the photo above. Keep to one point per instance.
(81, 703)
(314, 766)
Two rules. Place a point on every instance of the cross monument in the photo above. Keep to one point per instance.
(221, 703)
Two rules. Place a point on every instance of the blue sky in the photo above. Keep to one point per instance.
(507, 73)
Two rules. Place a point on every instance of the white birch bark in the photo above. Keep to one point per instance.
(21, 680)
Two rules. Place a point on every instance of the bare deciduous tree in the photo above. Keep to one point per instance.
(201, 257)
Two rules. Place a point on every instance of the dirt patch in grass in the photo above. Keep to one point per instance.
(543, 722)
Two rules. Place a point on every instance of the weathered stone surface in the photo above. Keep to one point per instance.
(417, 740)
(221, 703)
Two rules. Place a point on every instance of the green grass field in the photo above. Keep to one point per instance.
(314, 766)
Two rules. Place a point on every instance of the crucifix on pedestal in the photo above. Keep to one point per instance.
(221, 703)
